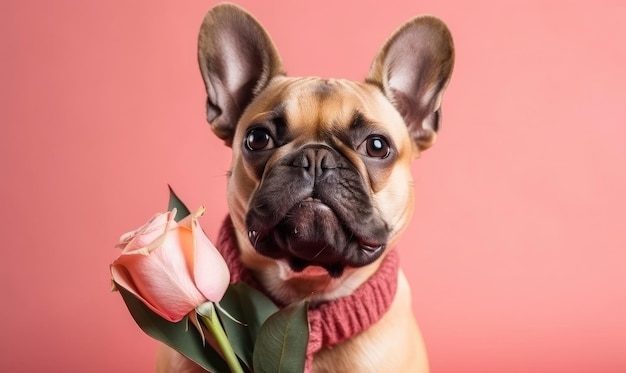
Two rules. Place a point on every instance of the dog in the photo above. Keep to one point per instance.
(320, 185)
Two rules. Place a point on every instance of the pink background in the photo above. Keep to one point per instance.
(516, 255)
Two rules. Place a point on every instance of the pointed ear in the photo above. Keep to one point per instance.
(413, 69)
(237, 60)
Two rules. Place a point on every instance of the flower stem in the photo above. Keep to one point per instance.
(215, 327)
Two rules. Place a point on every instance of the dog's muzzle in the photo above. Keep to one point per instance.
(313, 208)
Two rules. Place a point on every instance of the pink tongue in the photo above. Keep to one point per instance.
(311, 271)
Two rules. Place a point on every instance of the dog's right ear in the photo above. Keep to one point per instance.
(237, 60)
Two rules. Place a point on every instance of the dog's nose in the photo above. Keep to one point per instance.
(317, 161)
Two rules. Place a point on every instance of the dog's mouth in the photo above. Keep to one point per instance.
(312, 233)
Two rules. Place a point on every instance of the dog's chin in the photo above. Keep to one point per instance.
(311, 239)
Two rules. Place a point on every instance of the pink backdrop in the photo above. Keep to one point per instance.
(516, 254)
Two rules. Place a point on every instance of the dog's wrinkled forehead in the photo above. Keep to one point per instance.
(326, 110)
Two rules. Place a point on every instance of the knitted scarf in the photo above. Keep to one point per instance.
(332, 322)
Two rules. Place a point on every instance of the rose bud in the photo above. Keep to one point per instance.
(171, 267)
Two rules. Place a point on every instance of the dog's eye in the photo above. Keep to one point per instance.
(259, 139)
(377, 147)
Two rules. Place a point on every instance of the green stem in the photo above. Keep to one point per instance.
(215, 327)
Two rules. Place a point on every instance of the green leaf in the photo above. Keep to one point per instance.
(251, 308)
(181, 210)
(282, 342)
(179, 336)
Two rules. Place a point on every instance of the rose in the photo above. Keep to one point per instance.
(171, 267)
(169, 270)
(176, 271)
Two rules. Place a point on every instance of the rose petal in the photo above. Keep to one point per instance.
(149, 232)
(210, 271)
(121, 277)
(174, 267)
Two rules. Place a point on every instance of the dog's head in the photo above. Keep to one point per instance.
(320, 183)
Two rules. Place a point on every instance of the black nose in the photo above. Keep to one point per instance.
(316, 161)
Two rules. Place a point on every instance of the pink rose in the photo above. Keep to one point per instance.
(171, 267)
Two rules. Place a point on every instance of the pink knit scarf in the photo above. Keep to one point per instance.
(332, 322)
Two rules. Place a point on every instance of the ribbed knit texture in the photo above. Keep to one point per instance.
(332, 322)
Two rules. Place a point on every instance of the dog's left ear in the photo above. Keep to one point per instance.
(237, 60)
(413, 69)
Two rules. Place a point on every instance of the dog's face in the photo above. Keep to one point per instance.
(320, 183)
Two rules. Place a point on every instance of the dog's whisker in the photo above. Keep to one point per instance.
(320, 252)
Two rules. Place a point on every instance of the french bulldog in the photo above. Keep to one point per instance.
(320, 185)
